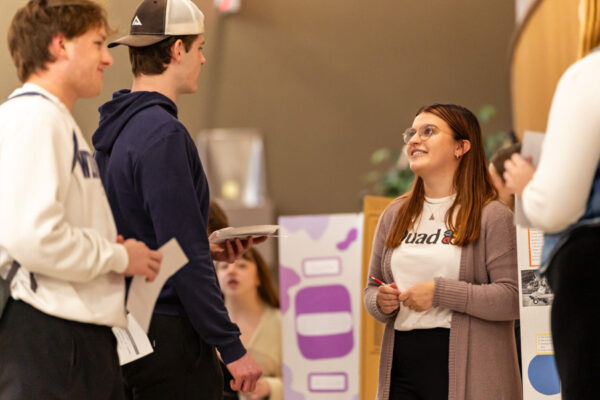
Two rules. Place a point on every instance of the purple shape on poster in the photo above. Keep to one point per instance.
(287, 278)
(314, 225)
(321, 300)
(288, 379)
(350, 238)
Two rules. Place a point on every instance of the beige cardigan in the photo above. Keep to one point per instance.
(483, 359)
(265, 348)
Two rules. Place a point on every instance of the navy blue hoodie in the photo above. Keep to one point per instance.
(157, 190)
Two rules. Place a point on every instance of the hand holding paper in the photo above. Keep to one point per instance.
(519, 171)
(142, 260)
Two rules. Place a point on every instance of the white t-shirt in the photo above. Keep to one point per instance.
(426, 252)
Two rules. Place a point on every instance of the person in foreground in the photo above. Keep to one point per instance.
(562, 198)
(58, 240)
(157, 190)
(446, 252)
(253, 304)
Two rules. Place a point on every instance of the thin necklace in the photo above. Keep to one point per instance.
(431, 210)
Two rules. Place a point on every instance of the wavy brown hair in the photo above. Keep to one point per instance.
(36, 23)
(473, 185)
(266, 289)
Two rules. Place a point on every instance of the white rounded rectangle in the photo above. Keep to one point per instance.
(323, 324)
(321, 267)
(328, 382)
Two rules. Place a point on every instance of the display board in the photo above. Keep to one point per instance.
(321, 299)
(540, 377)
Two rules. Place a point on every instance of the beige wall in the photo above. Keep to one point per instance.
(328, 81)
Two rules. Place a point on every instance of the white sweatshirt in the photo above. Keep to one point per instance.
(55, 220)
(557, 195)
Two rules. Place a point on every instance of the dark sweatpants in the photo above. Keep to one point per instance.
(573, 276)
(182, 367)
(44, 357)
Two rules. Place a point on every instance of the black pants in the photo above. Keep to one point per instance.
(573, 276)
(44, 357)
(182, 366)
(420, 365)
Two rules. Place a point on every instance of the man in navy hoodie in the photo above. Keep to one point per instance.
(157, 190)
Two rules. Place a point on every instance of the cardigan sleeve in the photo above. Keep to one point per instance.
(376, 266)
(498, 299)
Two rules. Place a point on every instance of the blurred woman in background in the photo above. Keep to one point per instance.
(253, 305)
(446, 252)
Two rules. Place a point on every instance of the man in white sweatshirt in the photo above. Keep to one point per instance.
(60, 256)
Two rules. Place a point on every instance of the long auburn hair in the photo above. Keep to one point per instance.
(266, 288)
(473, 185)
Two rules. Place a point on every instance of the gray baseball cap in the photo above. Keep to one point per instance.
(155, 20)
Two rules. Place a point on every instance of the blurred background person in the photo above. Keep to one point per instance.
(253, 304)
(562, 198)
(496, 169)
(447, 253)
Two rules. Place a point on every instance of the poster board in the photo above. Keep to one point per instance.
(540, 377)
(319, 277)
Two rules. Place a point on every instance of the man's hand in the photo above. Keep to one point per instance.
(419, 297)
(517, 173)
(142, 260)
(230, 250)
(262, 390)
(245, 372)
(387, 298)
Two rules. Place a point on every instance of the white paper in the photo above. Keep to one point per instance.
(530, 148)
(132, 342)
(143, 295)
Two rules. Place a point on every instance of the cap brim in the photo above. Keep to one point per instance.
(138, 40)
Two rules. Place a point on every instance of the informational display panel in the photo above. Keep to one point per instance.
(540, 378)
(321, 299)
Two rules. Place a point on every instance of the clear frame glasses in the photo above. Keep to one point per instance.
(424, 132)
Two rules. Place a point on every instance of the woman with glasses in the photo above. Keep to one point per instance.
(446, 254)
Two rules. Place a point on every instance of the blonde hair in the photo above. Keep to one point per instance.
(589, 31)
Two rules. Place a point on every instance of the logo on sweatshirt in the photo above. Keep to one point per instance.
(88, 164)
(423, 238)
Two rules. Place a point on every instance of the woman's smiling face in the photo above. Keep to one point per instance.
(433, 148)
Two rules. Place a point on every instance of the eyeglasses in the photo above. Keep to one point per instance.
(424, 132)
